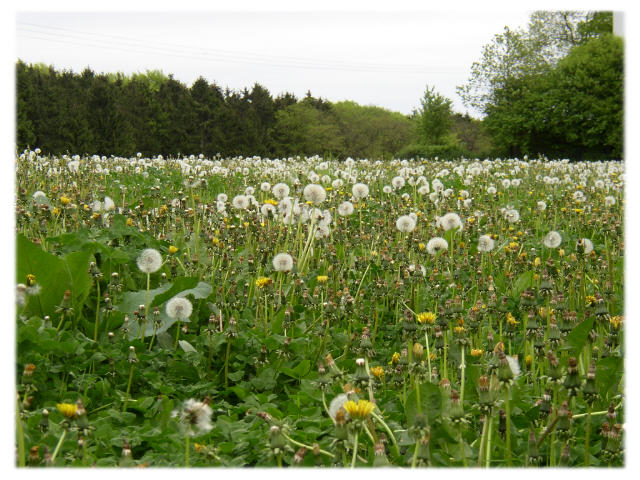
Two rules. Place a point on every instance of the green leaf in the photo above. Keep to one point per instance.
(186, 346)
(608, 374)
(77, 264)
(54, 275)
(430, 402)
(524, 281)
(578, 335)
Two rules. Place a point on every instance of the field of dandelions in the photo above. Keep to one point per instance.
(309, 312)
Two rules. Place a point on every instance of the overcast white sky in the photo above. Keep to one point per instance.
(383, 58)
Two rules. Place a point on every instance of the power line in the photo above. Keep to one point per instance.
(209, 55)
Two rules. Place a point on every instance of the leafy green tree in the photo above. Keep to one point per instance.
(434, 118)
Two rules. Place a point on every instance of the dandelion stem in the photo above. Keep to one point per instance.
(226, 363)
(95, 328)
(146, 308)
(587, 452)
(175, 347)
(508, 409)
(463, 366)
(186, 449)
(20, 433)
(355, 450)
(389, 432)
(60, 440)
(489, 435)
(299, 444)
(426, 339)
(128, 388)
(483, 439)
(415, 454)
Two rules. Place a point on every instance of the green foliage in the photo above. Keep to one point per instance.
(553, 89)
(152, 113)
(434, 118)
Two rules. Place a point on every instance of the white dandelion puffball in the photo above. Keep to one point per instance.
(491, 190)
(397, 182)
(179, 307)
(194, 415)
(39, 193)
(345, 209)
(450, 221)
(222, 197)
(512, 215)
(149, 260)
(436, 244)
(336, 405)
(360, 191)
(268, 210)
(609, 201)
(405, 224)
(542, 205)
(513, 365)
(588, 246)
(323, 231)
(240, 202)
(424, 189)
(314, 193)
(387, 189)
(265, 186)
(282, 262)
(109, 204)
(280, 190)
(485, 243)
(552, 240)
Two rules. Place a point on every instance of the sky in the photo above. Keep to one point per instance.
(373, 58)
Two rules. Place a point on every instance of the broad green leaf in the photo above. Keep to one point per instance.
(430, 402)
(523, 281)
(578, 335)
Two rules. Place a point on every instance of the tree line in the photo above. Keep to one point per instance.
(554, 88)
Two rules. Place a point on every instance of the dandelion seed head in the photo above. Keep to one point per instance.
(179, 308)
(282, 262)
(552, 240)
(149, 260)
(405, 224)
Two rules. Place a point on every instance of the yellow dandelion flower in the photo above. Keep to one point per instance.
(459, 330)
(65, 201)
(263, 282)
(129, 222)
(271, 201)
(56, 211)
(199, 448)
(476, 352)
(360, 410)
(426, 317)
(395, 358)
(31, 279)
(561, 252)
(616, 321)
(322, 278)
(69, 410)
(511, 320)
(527, 360)
(377, 372)
(173, 249)
(421, 246)
(590, 300)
